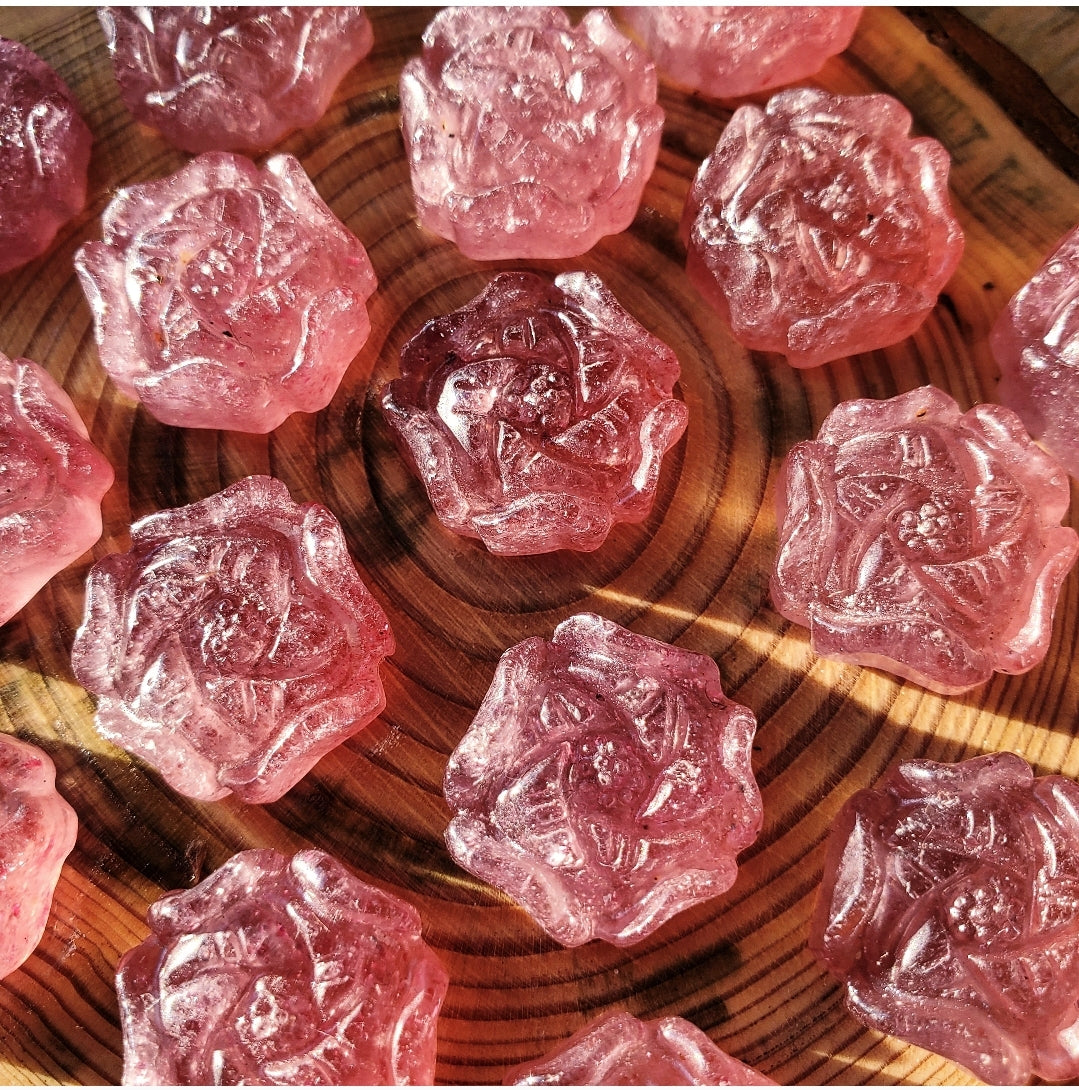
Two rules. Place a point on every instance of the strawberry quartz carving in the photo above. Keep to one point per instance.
(818, 228)
(605, 783)
(537, 415)
(39, 830)
(225, 296)
(232, 78)
(52, 480)
(620, 1050)
(923, 540)
(950, 911)
(528, 137)
(279, 971)
(235, 644)
(44, 155)
(731, 51)
(1036, 342)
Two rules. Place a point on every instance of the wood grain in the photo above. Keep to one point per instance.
(695, 573)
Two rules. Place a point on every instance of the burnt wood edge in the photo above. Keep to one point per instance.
(1014, 85)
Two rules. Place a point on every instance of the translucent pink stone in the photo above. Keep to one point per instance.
(526, 136)
(1036, 342)
(538, 414)
(44, 155)
(278, 971)
(605, 783)
(232, 78)
(730, 51)
(52, 480)
(922, 540)
(620, 1050)
(234, 644)
(225, 296)
(950, 911)
(39, 831)
(818, 228)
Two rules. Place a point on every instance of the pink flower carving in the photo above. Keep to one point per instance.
(278, 971)
(235, 644)
(537, 415)
(39, 830)
(922, 540)
(232, 78)
(225, 296)
(605, 783)
(52, 480)
(526, 136)
(620, 1050)
(818, 228)
(950, 911)
(731, 51)
(1036, 342)
(44, 155)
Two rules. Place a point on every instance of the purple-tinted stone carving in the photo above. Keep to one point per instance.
(950, 912)
(620, 1050)
(538, 414)
(279, 971)
(1036, 342)
(39, 832)
(52, 480)
(225, 296)
(818, 228)
(731, 51)
(922, 540)
(526, 136)
(605, 783)
(235, 644)
(44, 155)
(232, 78)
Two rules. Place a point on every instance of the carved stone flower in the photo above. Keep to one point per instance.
(39, 830)
(44, 155)
(923, 540)
(619, 1050)
(732, 51)
(278, 971)
(526, 136)
(52, 480)
(819, 228)
(232, 78)
(605, 783)
(225, 296)
(235, 644)
(950, 912)
(537, 415)
(1035, 341)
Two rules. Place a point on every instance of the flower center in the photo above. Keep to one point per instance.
(934, 531)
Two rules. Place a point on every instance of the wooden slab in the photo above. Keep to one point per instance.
(695, 573)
